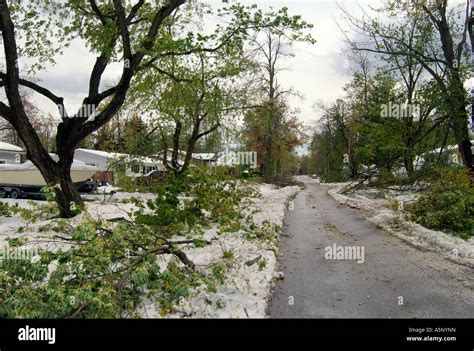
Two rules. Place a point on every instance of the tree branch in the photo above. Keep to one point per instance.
(215, 127)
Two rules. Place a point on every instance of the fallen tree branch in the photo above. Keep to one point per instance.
(253, 261)
(183, 258)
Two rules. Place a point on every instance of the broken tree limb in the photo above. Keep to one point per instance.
(254, 260)
(183, 258)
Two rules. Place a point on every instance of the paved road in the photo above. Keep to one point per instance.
(395, 280)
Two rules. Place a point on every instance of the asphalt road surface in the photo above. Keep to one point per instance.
(395, 280)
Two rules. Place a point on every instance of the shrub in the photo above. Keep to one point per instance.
(126, 183)
(448, 205)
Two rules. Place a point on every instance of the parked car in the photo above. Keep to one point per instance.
(151, 178)
(88, 187)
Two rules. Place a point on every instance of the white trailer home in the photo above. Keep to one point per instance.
(10, 154)
(105, 161)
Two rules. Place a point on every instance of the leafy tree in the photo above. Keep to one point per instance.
(438, 46)
(286, 138)
(106, 270)
(193, 103)
(114, 31)
(135, 34)
(368, 127)
(196, 96)
(331, 141)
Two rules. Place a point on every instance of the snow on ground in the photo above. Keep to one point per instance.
(272, 204)
(247, 287)
(394, 222)
(316, 180)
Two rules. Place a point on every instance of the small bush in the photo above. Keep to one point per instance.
(126, 183)
(449, 205)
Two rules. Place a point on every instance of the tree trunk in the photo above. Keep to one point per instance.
(67, 197)
(190, 148)
(175, 154)
(189, 154)
(471, 38)
(460, 126)
(408, 162)
(74, 129)
(408, 157)
(456, 94)
(354, 173)
(268, 174)
(278, 156)
(278, 165)
(352, 160)
(465, 149)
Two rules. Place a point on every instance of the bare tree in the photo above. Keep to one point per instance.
(269, 52)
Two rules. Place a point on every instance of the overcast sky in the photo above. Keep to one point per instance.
(317, 71)
(321, 70)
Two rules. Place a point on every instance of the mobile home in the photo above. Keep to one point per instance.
(10, 154)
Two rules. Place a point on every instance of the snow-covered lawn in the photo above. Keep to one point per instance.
(247, 287)
(385, 210)
(246, 291)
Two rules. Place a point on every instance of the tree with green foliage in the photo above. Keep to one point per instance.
(132, 33)
(195, 96)
(430, 36)
(100, 269)
(127, 33)
(368, 128)
(193, 103)
(289, 135)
